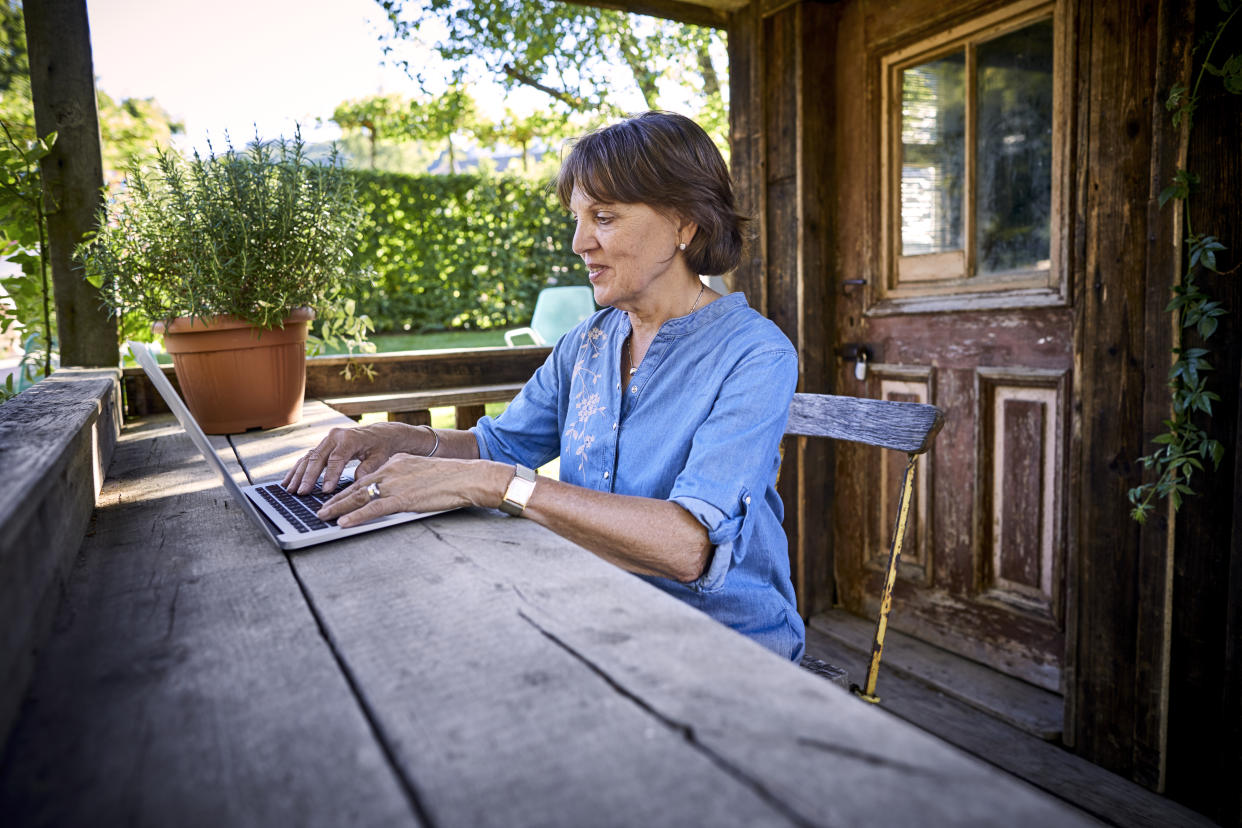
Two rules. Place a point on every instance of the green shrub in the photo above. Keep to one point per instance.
(458, 251)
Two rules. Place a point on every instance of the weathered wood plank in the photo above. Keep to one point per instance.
(523, 681)
(420, 400)
(902, 426)
(187, 682)
(1115, 98)
(1205, 671)
(397, 372)
(1048, 766)
(745, 147)
(1025, 706)
(56, 440)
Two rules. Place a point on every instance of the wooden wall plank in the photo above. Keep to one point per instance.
(1205, 696)
(745, 162)
(187, 681)
(1173, 35)
(1118, 79)
(817, 281)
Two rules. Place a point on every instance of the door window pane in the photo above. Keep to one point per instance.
(933, 161)
(1013, 195)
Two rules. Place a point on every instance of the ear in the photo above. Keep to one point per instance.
(686, 229)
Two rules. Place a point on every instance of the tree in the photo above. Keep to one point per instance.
(378, 117)
(567, 52)
(521, 131)
(439, 118)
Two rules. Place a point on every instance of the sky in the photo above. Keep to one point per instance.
(219, 65)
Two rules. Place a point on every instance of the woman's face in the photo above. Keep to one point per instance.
(627, 248)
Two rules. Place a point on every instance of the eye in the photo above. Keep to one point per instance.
(603, 218)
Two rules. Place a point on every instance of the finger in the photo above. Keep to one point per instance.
(337, 461)
(368, 465)
(347, 499)
(370, 510)
(293, 480)
(292, 473)
(316, 459)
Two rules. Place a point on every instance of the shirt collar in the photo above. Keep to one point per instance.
(691, 322)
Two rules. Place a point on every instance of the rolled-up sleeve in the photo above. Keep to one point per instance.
(732, 455)
(528, 431)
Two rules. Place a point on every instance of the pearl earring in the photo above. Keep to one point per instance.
(681, 246)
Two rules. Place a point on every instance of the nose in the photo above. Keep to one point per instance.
(584, 239)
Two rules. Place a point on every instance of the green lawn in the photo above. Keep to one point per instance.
(388, 342)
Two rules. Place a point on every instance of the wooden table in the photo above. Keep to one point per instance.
(465, 670)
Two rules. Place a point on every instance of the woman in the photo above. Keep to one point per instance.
(666, 407)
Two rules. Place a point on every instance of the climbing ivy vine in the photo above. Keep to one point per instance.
(1184, 447)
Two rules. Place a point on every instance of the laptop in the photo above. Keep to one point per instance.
(287, 519)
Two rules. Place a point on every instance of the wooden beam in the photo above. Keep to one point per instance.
(699, 15)
(62, 83)
(1113, 167)
(401, 372)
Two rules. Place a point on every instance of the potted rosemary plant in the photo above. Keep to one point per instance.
(229, 257)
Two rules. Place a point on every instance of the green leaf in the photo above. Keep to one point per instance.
(1217, 452)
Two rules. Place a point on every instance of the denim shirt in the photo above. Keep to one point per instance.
(699, 424)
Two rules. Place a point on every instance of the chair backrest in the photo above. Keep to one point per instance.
(558, 309)
(902, 426)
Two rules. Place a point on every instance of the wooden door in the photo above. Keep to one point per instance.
(952, 205)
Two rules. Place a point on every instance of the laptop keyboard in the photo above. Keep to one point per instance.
(298, 509)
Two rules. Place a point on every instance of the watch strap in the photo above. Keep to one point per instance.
(521, 487)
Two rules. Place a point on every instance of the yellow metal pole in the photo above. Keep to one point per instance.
(867, 693)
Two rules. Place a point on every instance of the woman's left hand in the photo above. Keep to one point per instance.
(411, 483)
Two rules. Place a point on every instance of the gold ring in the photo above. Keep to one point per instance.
(373, 490)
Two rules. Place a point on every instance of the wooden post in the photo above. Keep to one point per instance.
(62, 83)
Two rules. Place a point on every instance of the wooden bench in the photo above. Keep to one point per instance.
(413, 407)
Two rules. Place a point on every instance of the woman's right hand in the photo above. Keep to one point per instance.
(371, 444)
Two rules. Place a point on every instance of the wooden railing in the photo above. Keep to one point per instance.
(56, 441)
(403, 384)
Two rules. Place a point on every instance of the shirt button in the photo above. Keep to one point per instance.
(605, 475)
(747, 500)
(618, 385)
(633, 389)
(614, 426)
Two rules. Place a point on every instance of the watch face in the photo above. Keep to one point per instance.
(521, 487)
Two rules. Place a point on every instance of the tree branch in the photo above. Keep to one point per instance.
(564, 97)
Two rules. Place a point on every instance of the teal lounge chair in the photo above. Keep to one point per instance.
(556, 311)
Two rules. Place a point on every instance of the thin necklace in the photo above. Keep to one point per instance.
(629, 358)
(696, 299)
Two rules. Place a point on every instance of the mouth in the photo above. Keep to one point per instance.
(594, 271)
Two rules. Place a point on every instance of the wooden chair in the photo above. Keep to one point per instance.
(900, 426)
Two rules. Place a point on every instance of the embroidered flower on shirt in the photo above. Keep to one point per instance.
(585, 401)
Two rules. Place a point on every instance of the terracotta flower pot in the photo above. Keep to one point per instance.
(234, 376)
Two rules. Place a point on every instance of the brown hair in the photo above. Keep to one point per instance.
(667, 162)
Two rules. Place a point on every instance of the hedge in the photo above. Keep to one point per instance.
(459, 251)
